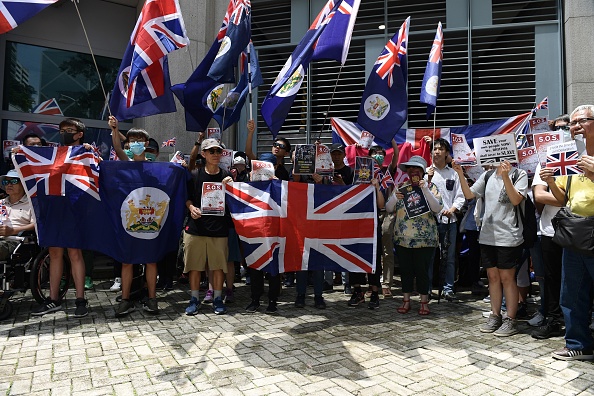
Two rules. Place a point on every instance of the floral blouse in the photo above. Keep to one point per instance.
(418, 232)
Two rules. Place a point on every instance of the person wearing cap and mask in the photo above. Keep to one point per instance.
(16, 212)
(280, 149)
(416, 238)
(72, 132)
(239, 170)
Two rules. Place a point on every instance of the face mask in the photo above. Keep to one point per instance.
(68, 138)
(379, 158)
(137, 148)
(150, 157)
(129, 153)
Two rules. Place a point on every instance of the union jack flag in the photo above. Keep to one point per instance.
(96, 149)
(49, 107)
(14, 13)
(387, 180)
(169, 143)
(392, 54)
(113, 156)
(286, 226)
(565, 163)
(377, 171)
(51, 170)
(46, 131)
(242, 6)
(543, 105)
(159, 31)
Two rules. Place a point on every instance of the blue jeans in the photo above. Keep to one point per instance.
(450, 273)
(318, 282)
(576, 282)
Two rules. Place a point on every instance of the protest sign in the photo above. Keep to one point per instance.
(528, 159)
(544, 140)
(305, 159)
(324, 164)
(492, 150)
(463, 155)
(563, 157)
(213, 199)
(363, 170)
(262, 171)
(415, 203)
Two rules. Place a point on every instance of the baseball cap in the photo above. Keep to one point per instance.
(210, 143)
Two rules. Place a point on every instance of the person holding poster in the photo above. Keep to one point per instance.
(206, 236)
(415, 238)
(280, 148)
(500, 239)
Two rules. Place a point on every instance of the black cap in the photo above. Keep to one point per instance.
(337, 146)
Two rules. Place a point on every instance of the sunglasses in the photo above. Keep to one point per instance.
(215, 151)
(6, 182)
(280, 145)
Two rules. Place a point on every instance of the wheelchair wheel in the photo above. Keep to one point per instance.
(40, 276)
(6, 310)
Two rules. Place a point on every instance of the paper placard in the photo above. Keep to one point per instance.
(494, 149)
(213, 199)
(415, 203)
(305, 158)
(226, 159)
(213, 133)
(528, 159)
(7, 147)
(366, 139)
(539, 124)
(564, 157)
(544, 140)
(262, 171)
(363, 170)
(463, 155)
(324, 164)
(177, 157)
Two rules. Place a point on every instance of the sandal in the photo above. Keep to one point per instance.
(386, 292)
(424, 310)
(404, 308)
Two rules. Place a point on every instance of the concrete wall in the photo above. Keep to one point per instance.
(579, 52)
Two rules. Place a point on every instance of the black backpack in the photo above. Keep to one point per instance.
(528, 217)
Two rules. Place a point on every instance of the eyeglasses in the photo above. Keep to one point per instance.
(215, 151)
(68, 130)
(279, 145)
(6, 182)
(563, 128)
(581, 121)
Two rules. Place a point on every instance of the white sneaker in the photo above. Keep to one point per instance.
(117, 285)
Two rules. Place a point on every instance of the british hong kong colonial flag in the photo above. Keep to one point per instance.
(384, 106)
(432, 77)
(14, 13)
(131, 211)
(337, 18)
(286, 226)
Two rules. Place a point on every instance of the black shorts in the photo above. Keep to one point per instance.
(501, 257)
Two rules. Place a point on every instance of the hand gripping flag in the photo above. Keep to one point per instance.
(14, 13)
(336, 18)
(432, 77)
(237, 36)
(384, 106)
(229, 112)
(159, 30)
(286, 226)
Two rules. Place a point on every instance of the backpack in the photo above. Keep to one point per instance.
(527, 217)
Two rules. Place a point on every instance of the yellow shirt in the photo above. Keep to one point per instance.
(581, 194)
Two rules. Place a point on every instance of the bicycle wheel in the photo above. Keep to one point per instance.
(40, 276)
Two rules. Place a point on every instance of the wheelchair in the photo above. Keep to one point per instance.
(28, 268)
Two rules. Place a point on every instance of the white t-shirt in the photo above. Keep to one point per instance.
(548, 212)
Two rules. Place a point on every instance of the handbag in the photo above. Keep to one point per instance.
(572, 231)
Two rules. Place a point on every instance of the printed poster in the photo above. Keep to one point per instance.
(177, 158)
(415, 203)
(262, 171)
(492, 150)
(564, 157)
(366, 139)
(363, 170)
(305, 159)
(324, 164)
(528, 160)
(213, 199)
(539, 125)
(226, 159)
(7, 147)
(544, 140)
(463, 155)
(213, 133)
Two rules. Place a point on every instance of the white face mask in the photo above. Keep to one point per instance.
(137, 148)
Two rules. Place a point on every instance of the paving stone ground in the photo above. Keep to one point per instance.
(337, 351)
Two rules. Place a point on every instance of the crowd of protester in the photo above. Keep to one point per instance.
(480, 215)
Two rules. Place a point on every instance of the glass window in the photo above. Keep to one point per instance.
(56, 82)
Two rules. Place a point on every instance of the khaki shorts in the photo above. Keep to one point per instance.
(200, 250)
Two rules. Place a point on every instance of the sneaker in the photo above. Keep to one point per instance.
(493, 323)
(537, 320)
(151, 305)
(449, 295)
(218, 307)
(300, 301)
(47, 307)
(487, 300)
(509, 327)
(272, 308)
(368, 292)
(348, 290)
(356, 299)
(373, 301)
(88, 283)
(193, 307)
(522, 311)
(229, 298)
(208, 298)
(125, 307)
(253, 307)
(81, 308)
(319, 302)
(117, 285)
(572, 354)
(550, 328)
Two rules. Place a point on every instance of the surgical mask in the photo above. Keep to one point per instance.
(129, 153)
(137, 148)
(68, 138)
(379, 158)
(150, 157)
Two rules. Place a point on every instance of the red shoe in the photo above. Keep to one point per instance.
(404, 308)
(424, 310)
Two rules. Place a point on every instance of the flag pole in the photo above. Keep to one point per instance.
(330, 104)
(249, 68)
(92, 56)
(433, 139)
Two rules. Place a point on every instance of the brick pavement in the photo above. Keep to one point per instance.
(337, 351)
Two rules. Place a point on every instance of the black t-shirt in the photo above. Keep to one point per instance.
(281, 172)
(207, 225)
(347, 174)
